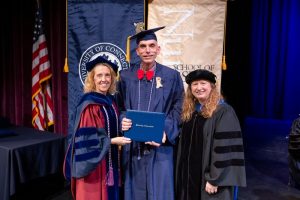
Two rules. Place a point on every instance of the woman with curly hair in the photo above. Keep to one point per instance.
(210, 157)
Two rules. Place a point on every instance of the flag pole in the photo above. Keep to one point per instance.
(42, 105)
(44, 89)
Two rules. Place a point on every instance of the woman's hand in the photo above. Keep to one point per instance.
(126, 124)
(210, 189)
(120, 141)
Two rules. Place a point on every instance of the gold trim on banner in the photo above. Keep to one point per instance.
(224, 65)
(66, 66)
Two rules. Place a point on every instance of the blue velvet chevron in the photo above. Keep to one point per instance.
(88, 147)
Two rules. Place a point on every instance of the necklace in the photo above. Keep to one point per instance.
(148, 108)
(150, 96)
(151, 90)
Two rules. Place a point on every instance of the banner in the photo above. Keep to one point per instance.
(193, 37)
(42, 105)
(99, 27)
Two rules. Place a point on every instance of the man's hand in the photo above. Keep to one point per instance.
(164, 138)
(152, 143)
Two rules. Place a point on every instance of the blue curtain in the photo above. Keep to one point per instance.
(275, 59)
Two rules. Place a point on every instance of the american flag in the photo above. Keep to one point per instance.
(42, 106)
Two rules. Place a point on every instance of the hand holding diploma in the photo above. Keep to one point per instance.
(127, 124)
(120, 141)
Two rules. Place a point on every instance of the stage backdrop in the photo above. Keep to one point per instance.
(99, 27)
(193, 37)
(275, 63)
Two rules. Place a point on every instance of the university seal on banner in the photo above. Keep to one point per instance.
(112, 52)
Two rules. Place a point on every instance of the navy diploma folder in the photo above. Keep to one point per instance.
(146, 126)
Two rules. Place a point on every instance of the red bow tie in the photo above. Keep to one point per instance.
(141, 74)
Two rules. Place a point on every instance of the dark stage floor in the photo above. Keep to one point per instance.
(266, 152)
(266, 165)
(267, 179)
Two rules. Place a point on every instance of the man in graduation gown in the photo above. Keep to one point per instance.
(150, 86)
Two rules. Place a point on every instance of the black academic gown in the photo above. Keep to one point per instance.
(210, 150)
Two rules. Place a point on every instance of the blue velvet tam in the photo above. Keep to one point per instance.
(200, 74)
(146, 34)
(101, 59)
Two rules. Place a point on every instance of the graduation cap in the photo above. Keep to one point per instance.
(101, 59)
(146, 34)
(142, 35)
(200, 74)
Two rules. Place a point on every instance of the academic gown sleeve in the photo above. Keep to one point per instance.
(227, 165)
(173, 107)
(121, 95)
(88, 145)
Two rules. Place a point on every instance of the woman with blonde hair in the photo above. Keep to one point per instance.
(210, 157)
(92, 162)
